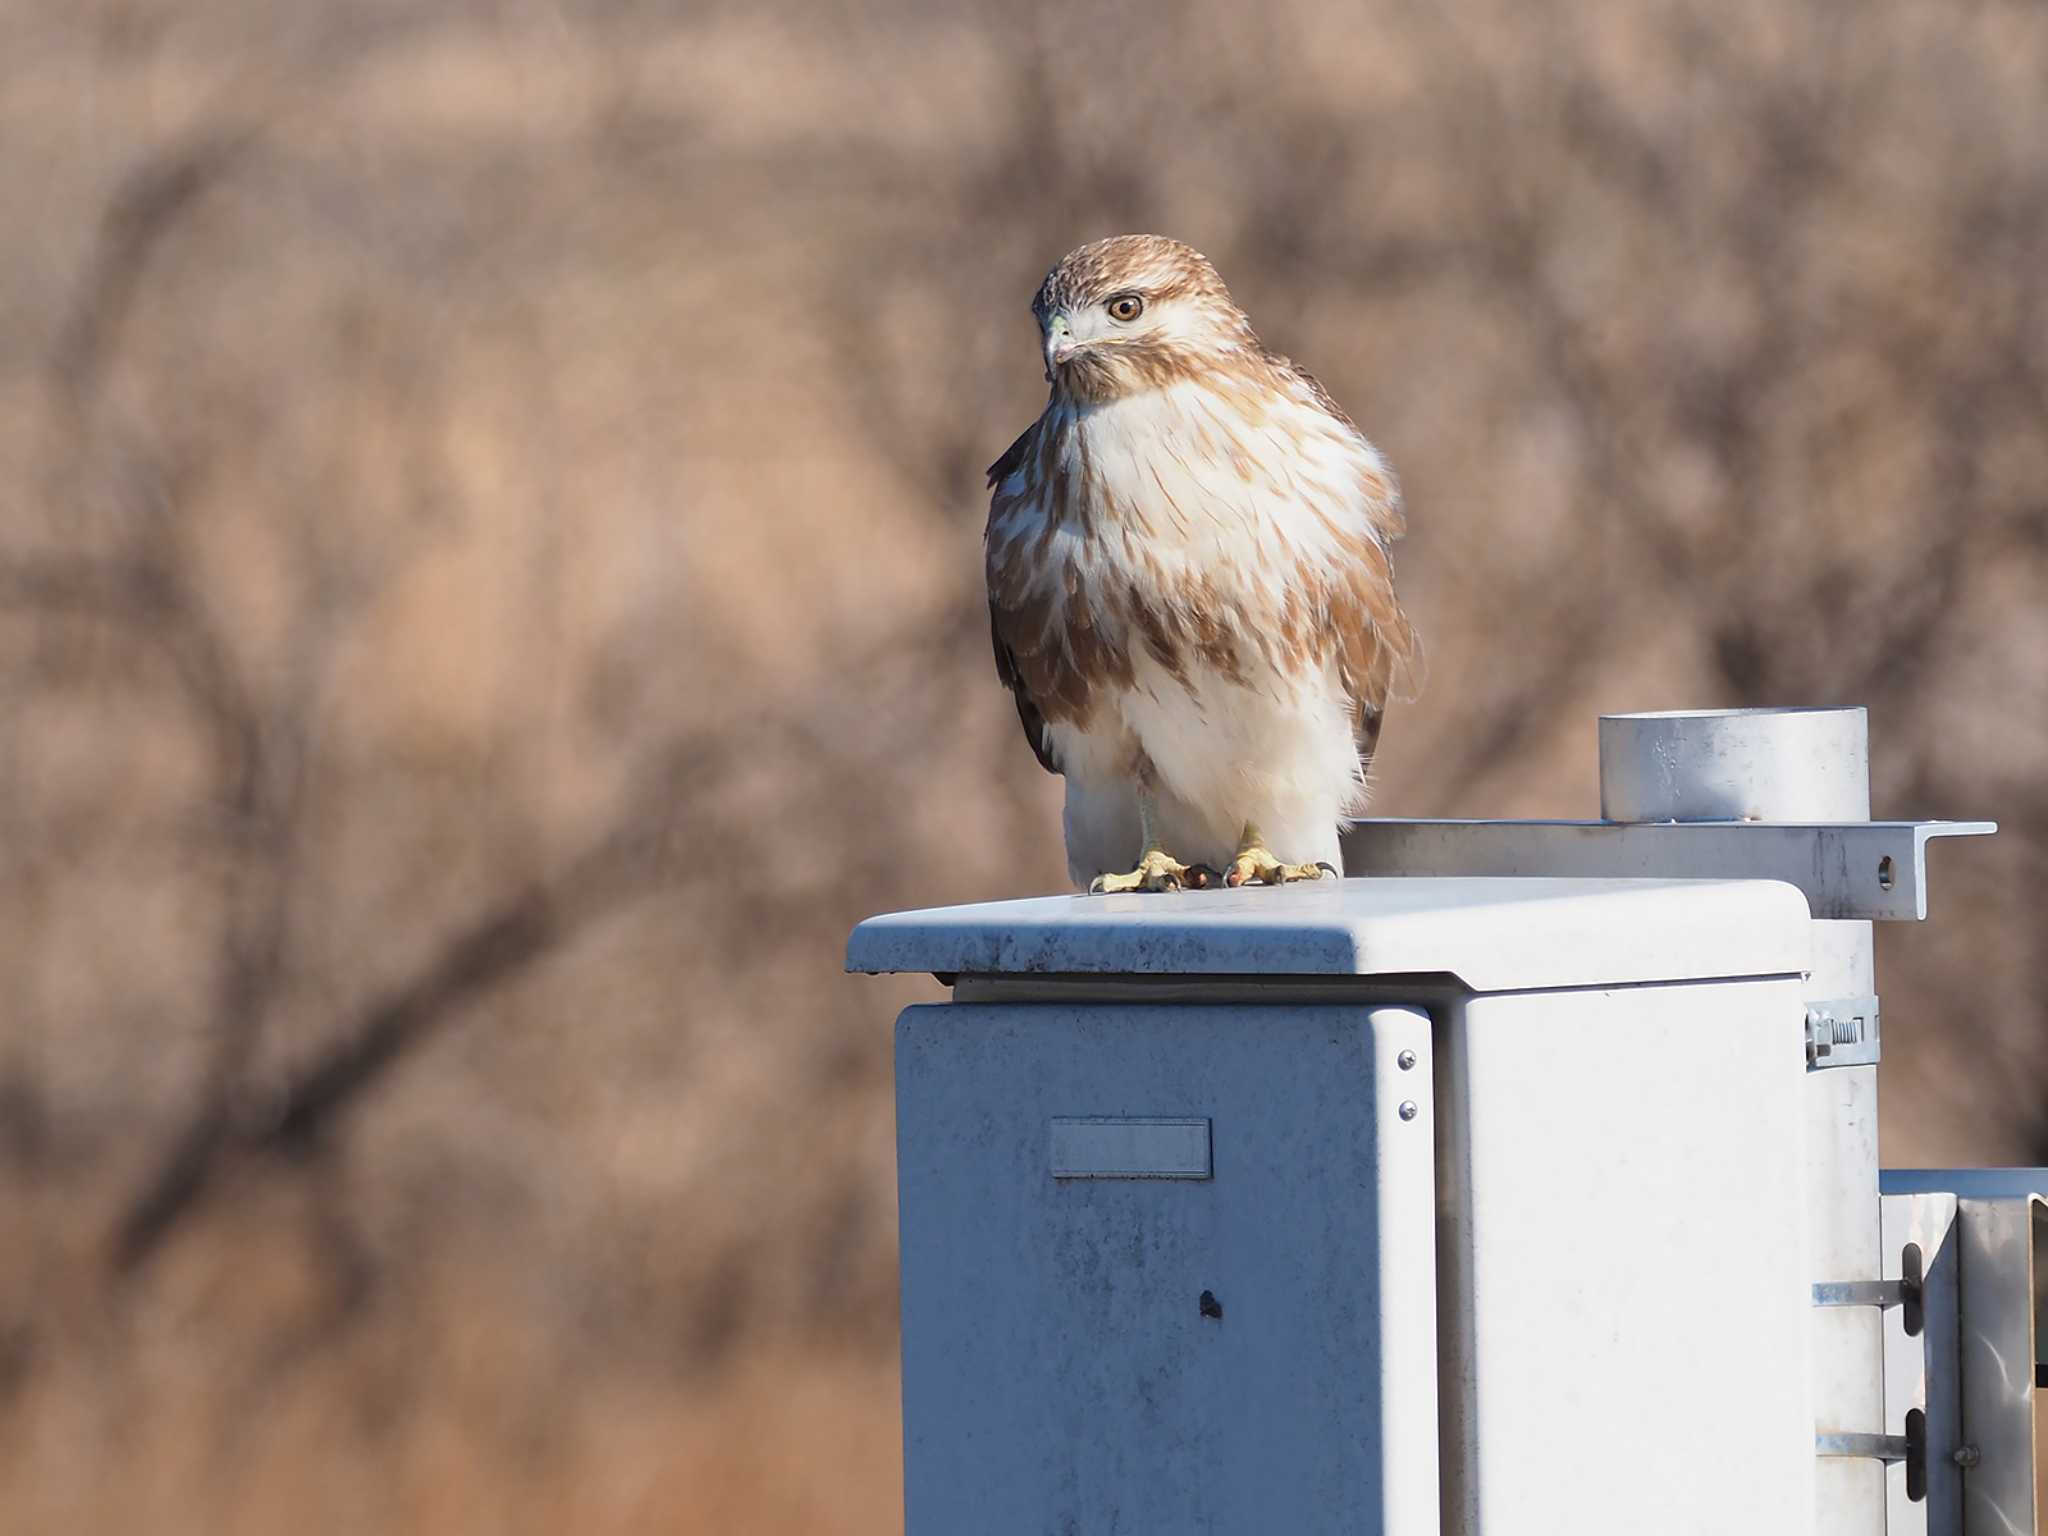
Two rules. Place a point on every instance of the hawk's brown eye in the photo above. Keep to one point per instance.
(1125, 307)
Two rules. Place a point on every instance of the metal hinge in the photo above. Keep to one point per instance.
(1841, 1032)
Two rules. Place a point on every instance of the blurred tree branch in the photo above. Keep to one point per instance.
(146, 205)
(495, 946)
(648, 844)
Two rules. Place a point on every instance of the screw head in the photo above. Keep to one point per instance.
(1409, 1110)
(1405, 1061)
(1967, 1456)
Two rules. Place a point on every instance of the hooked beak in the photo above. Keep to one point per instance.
(1059, 343)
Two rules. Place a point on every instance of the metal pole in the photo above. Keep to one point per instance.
(1794, 765)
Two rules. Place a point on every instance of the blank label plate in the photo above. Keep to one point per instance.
(1102, 1148)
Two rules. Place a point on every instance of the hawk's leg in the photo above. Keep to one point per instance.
(1157, 869)
(1255, 863)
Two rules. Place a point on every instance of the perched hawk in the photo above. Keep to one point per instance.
(1188, 582)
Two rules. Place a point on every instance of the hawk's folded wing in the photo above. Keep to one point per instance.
(1379, 653)
(1028, 712)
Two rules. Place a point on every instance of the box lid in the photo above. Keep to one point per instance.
(1491, 934)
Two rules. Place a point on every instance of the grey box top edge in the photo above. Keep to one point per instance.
(1492, 934)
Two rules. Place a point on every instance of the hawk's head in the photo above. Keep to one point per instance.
(1135, 312)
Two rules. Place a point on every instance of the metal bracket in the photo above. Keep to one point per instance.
(1864, 1293)
(1867, 1447)
(1924, 1495)
(1919, 1416)
(1841, 1032)
(1906, 1291)
(1908, 1451)
(1860, 870)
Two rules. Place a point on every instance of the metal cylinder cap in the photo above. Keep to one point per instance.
(1736, 765)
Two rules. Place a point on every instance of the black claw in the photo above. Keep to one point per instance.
(1322, 864)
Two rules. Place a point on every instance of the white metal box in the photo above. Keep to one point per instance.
(1174, 1210)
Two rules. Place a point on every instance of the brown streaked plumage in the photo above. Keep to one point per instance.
(1190, 592)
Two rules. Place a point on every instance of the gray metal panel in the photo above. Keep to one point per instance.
(1920, 1370)
(1251, 1352)
(1998, 1301)
(1862, 870)
(1625, 1303)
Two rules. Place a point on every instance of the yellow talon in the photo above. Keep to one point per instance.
(1156, 871)
(1255, 864)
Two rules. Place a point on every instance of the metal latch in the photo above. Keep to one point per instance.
(1867, 1447)
(1910, 1448)
(1908, 1291)
(1841, 1032)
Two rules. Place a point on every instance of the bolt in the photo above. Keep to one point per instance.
(1967, 1456)
(1406, 1060)
(1409, 1110)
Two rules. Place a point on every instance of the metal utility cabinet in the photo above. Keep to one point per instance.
(1468, 1199)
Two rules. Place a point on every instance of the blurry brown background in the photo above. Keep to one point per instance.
(489, 594)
